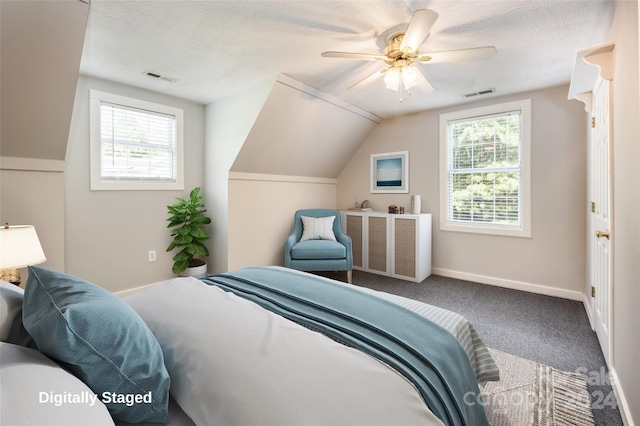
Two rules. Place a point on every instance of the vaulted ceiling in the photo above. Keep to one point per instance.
(41, 45)
(215, 48)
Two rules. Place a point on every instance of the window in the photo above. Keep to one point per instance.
(484, 170)
(134, 144)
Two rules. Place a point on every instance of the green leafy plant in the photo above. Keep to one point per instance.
(187, 218)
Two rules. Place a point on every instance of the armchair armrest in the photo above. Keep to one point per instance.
(291, 240)
(345, 240)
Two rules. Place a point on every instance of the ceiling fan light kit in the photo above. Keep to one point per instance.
(401, 78)
(402, 51)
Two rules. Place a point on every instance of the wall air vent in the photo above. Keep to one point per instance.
(160, 76)
(481, 92)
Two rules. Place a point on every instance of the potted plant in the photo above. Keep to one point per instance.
(187, 218)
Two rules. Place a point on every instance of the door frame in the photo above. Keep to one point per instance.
(591, 65)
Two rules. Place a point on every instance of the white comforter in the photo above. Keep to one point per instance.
(232, 362)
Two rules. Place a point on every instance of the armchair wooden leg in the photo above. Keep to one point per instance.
(349, 277)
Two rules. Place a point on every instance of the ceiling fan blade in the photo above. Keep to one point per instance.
(473, 54)
(368, 79)
(418, 29)
(353, 55)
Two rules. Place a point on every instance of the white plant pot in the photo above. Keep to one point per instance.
(196, 271)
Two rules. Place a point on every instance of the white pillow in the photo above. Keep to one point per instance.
(11, 328)
(34, 390)
(11, 297)
(317, 228)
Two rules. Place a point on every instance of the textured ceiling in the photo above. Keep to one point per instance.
(214, 48)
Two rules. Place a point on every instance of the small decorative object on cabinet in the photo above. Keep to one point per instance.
(415, 204)
(390, 244)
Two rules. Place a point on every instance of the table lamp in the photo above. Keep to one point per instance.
(19, 248)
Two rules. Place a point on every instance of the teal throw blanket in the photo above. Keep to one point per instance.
(425, 353)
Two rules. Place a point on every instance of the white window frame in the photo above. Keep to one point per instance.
(524, 227)
(97, 97)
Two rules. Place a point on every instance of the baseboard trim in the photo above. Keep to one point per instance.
(623, 405)
(588, 307)
(514, 285)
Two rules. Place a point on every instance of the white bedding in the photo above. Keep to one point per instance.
(232, 362)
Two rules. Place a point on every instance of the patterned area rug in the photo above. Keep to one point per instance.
(530, 393)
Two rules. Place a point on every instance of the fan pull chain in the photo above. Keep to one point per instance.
(401, 87)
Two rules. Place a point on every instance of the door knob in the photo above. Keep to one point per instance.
(601, 234)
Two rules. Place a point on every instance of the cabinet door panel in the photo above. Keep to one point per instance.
(378, 243)
(405, 247)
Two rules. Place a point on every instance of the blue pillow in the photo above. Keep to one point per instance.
(101, 340)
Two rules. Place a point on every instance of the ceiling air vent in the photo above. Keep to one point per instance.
(481, 92)
(160, 76)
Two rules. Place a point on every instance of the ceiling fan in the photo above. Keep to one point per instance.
(402, 51)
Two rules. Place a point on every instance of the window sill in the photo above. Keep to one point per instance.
(494, 230)
(136, 186)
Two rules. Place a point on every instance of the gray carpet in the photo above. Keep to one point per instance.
(545, 329)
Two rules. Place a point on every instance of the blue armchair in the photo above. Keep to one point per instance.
(319, 254)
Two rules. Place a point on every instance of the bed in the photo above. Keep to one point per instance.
(255, 346)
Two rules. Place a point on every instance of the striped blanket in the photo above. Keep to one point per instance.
(481, 360)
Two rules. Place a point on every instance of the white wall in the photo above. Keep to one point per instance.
(36, 110)
(288, 160)
(553, 260)
(32, 193)
(108, 233)
(261, 209)
(626, 211)
(228, 121)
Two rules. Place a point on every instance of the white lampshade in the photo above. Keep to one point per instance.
(392, 79)
(19, 247)
(409, 77)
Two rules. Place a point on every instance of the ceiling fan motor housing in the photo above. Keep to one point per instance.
(397, 57)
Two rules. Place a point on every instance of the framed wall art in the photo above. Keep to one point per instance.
(390, 172)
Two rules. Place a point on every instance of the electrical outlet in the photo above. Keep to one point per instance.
(152, 255)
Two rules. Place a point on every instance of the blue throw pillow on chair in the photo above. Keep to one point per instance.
(101, 340)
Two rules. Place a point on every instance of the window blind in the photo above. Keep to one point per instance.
(484, 169)
(137, 144)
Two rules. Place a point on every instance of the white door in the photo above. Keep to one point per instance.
(600, 237)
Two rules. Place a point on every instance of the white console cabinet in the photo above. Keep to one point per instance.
(397, 245)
